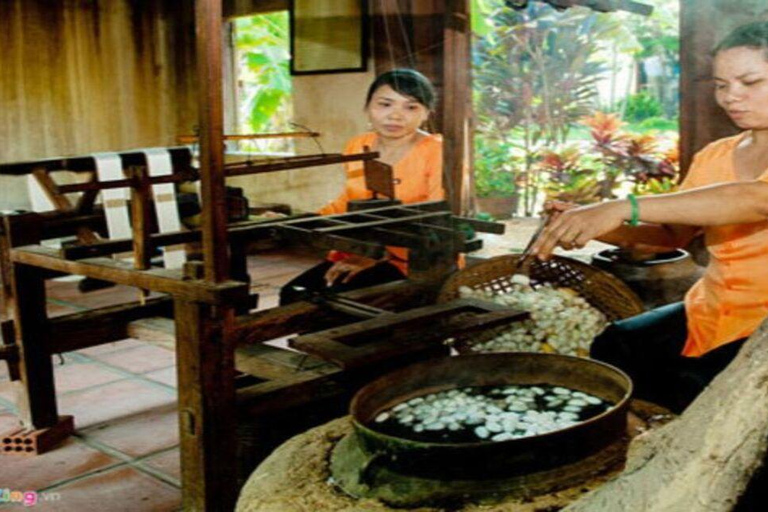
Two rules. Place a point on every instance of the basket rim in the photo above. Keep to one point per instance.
(449, 289)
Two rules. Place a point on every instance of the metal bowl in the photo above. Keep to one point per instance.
(488, 459)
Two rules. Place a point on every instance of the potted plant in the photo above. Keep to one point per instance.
(496, 178)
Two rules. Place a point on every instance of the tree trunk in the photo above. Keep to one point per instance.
(705, 459)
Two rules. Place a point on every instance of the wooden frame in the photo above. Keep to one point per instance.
(208, 299)
(316, 43)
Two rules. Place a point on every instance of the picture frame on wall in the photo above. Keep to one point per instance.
(328, 36)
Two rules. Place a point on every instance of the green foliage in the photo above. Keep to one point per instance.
(659, 124)
(642, 106)
(496, 168)
(536, 73)
(264, 79)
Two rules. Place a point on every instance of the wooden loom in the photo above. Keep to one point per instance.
(218, 385)
(225, 373)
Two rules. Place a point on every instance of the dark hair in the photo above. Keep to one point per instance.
(752, 35)
(407, 82)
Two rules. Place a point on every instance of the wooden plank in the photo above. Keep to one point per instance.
(61, 202)
(206, 372)
(98, 326)
(208, 26)
(158, 280)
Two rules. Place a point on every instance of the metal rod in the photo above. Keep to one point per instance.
(246, 168)
(192, 139)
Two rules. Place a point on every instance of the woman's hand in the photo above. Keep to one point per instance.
(571, 227)
(554, 208)
(347, 269)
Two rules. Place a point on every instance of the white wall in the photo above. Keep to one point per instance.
(332, 105)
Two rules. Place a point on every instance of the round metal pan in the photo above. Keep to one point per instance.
(487, 459)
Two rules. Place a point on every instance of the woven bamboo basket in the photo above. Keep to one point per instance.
(602, 290)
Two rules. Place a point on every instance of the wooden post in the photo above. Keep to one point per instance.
(17, 230)
(457, 105)
(37, 406)
(141, 217)
(208, 25)
(206, 373)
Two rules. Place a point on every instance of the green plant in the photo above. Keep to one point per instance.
(496, 170)
(594, 172)
(573, 175)
(536, 72)
(261, 44)
(642, 106)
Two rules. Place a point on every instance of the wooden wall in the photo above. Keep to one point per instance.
(703, 24)
(93, 75)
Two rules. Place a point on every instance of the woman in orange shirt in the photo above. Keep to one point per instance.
(398, 103)
(673, 352)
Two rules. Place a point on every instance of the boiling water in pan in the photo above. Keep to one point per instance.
(488, 413)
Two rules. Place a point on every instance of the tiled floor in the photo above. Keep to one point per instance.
(124, 456)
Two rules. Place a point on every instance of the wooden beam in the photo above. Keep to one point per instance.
(157, 280)
(208, 27)
(457, 105)
(181, 158)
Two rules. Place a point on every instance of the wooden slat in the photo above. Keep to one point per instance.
(389, 336)
(301, 316)
(158, 280)
(85, 329)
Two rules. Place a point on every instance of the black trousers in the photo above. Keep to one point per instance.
(648, 348)
(313, 281)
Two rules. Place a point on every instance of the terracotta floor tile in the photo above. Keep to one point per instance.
(67, 461)
(119, 490)
(150, 430)
(9, 391)
(73, 376)
(167, 376)
(108, 348)
(168, 462)
(111, 402)
(143, 359)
